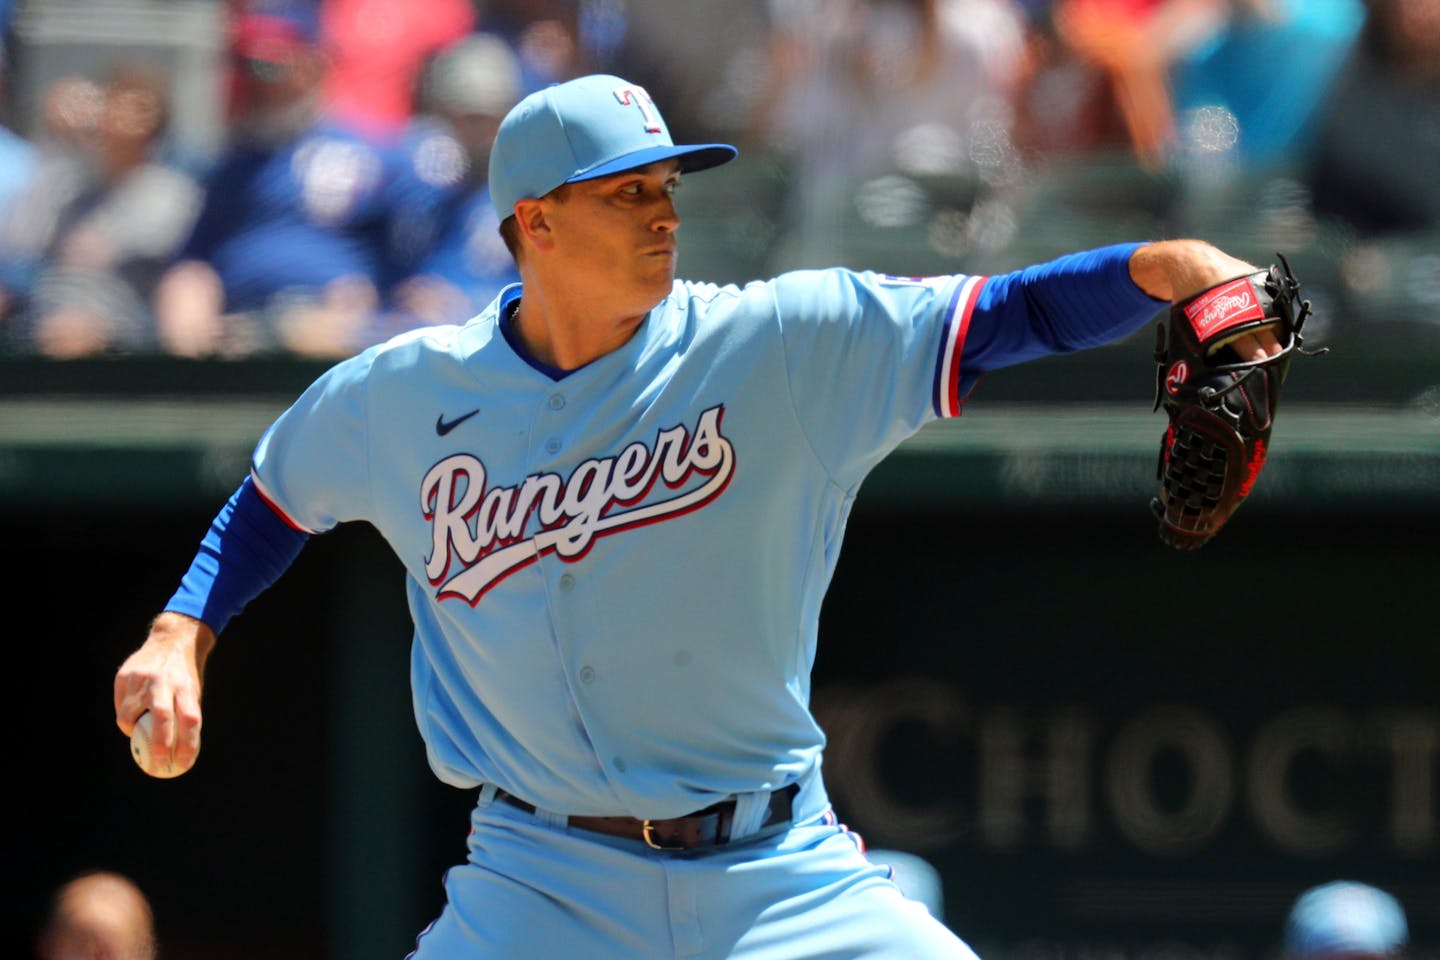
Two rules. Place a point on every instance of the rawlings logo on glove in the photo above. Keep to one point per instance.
(1221, 408)
(1223, 308)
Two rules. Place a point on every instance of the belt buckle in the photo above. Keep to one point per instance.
(647, 831)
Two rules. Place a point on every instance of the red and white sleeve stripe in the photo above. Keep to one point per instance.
(947, 399)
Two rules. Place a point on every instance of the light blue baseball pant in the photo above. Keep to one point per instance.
(533, 889)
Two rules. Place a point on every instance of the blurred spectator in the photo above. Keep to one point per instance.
(98, 915)
(377, 49)
(1192, 79)
(1378, 149)
(289, 247)
(1346, 920)
(68, 115)
(1065, 104)
(545, 34)
(86, 246)
(1123, 53)
(862, 87)
(1230, 96)
(17, 156)
(445, 232)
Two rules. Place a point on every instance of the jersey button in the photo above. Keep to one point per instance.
(619, 763)
(567, 581)
(587, 674)
(556, 402)
(553, 445)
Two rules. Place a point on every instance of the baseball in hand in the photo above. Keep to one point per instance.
(140, 740)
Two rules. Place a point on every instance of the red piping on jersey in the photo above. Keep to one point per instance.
(265, 497)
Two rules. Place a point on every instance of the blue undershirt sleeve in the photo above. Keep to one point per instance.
(246, 549)
(1071, 303)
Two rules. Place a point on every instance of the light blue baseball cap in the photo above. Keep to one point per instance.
(582, 129)
(1345, 919)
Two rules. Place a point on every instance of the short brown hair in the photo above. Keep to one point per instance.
(510, 233)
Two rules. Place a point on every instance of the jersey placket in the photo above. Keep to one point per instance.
(564, 588)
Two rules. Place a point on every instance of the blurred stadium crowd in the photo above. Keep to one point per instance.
(343, 197)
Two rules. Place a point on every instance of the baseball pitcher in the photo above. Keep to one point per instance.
(619, 498)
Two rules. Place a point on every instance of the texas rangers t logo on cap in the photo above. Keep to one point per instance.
(629, 94)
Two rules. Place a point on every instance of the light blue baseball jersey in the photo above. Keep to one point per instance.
(616, 575)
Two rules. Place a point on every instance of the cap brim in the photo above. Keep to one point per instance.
(692, 157)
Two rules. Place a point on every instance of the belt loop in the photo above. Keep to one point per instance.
(750, 810)
(551, 818)
(487, 794)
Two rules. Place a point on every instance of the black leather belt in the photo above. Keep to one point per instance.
(703, 828)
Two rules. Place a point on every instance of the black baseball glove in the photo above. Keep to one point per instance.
(1221, 408)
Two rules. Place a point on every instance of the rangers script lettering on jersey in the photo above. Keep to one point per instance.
(572, 511)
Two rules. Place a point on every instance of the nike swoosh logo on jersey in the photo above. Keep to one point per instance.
(442, 426)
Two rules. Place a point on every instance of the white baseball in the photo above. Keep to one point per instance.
(140, 740)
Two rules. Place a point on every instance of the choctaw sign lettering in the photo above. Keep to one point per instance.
(1057, 777)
